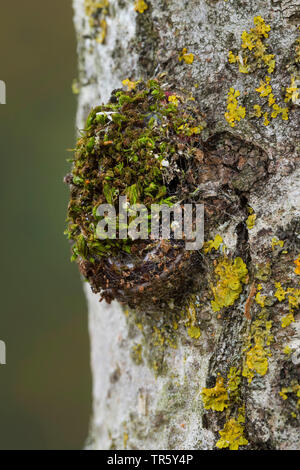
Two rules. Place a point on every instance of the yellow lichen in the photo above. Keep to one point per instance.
(232, 436)
(97, 10)
(216, 398)
(189, 131)
(292, 92)
(256, 349)
(294, 389)
(194, 332)
(231, 277)
(265, 88)
(233, 379)
(91, 6)
(220, 397)
(287, 350)
(140, 6)
(252, 56)
(287, 320)
(266, 120)
(103, 31)
(188, 58)
(173, 99)
(271, 100)
(276, 242)
(129, 84)
(260, 299)
(212, 244)
(158, 335)
(257, 110)
(250, 222)
(232, 58)
(234, 111)
(253, 53)
(241, 414)
(280, 292)
(257, 359)
(125, 439)
(297, 51)
(278, 110)
(136, 354)
(293, 296)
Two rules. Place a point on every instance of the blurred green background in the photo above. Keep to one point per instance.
(45, 387)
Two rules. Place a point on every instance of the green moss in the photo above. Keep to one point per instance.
(142, 146)
(120, 153)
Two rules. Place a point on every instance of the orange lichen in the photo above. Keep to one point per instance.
(297, 268)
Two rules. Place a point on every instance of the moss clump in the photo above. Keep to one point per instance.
(138, 145)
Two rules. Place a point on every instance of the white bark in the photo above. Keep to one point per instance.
(164, 410)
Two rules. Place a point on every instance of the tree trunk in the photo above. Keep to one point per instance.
(153, 374)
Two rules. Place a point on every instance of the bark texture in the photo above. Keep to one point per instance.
(149, 370)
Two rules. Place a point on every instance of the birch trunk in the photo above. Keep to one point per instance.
(148, 374)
